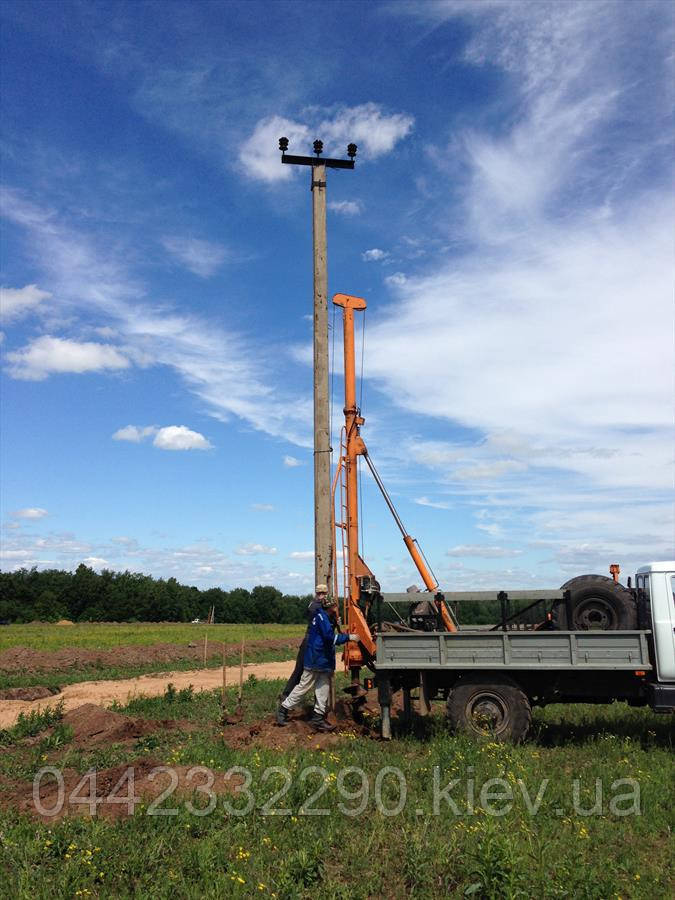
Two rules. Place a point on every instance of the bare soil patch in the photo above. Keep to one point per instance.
(299, 732)
(92, 726)
(141, 780)
(27, 659)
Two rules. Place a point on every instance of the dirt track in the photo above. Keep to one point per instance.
(104, 692)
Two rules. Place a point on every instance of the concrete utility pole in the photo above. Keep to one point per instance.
(323, 538)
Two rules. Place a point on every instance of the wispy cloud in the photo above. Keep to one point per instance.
(30, 512)
(255, 550)
(223, 368)
(291, 462)
(346, 207)
(204, 258)
(523, 341)
(374, 255)
(263, 507)
(15, 303)
(482, 551)
(434, 504)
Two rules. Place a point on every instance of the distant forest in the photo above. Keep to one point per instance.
(29, 595)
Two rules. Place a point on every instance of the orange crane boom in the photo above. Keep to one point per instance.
(356, 568)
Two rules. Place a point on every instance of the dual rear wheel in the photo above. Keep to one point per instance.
(486, 707)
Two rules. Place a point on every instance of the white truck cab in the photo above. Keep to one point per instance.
(657, 581)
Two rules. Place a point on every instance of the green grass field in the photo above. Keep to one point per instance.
(622, 850)
(95, 636)
(109, 637)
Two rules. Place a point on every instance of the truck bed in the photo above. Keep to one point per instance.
(564, 650)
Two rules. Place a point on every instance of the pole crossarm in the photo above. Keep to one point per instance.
(317, 161)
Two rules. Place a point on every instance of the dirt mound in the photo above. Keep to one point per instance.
(65, 622)
(93, 725)
(140, 781)
(38, 692)
(28, 660)
(299, 732)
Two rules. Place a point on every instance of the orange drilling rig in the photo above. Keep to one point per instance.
(360, 589)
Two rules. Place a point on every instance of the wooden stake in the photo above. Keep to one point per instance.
(224, 680)
(206, 640)
(241, 673)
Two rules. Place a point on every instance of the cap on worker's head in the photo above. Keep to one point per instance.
(322, 589)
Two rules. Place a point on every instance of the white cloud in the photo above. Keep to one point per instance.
(95, 562)
(346, 207)
(48, 355)
(398, 279)
(15, 303)
(255, 550)
(374, 255)
(374, 131)
(291, 462)
(134, 433)
(482, 551)
(179, 437)
(30, 512)
(260, 155)
(425, 501)
(263, 507)
(301, 554)
(199, 256)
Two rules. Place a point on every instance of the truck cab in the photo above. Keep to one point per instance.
(655, 585)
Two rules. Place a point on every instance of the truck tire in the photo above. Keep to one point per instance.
(598, 603)
(489, 706)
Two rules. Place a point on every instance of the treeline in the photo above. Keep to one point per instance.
(29, 595)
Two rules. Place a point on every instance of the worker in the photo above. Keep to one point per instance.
(319, 665)
(320, 594)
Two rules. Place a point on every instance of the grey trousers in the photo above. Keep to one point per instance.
(311, 678)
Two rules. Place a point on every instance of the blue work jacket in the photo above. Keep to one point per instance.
(321, 643)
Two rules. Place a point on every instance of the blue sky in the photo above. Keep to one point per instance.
(509, 222)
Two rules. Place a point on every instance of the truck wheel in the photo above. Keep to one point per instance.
(489, 707)
(598, 603)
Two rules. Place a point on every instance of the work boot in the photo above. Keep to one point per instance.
(319, 723)
(282, 715)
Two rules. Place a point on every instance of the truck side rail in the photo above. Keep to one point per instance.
(477, 596)
(563, 650)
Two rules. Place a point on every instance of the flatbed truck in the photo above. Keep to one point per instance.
(491, 679)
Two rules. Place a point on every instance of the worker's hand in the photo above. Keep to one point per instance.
(354, 637)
